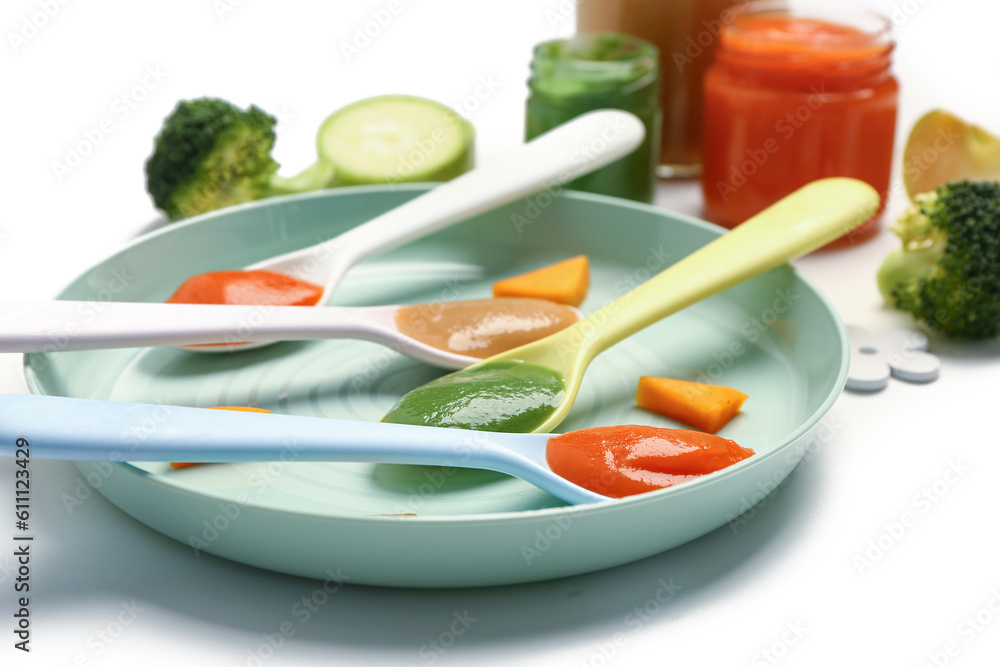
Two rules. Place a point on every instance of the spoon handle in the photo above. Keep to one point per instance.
(93, 430)
(575, 148)
(76, 429)
(55, 326)
(805, 220)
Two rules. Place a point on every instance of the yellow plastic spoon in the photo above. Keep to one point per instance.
(499, 394)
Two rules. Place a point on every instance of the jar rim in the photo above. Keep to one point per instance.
(872, 27)
(595, 65)
(633, 54)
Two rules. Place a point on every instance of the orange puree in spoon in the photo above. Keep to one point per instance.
(621, 461)
(483, 327)
(247, 288)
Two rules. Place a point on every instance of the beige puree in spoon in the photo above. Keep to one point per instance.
(484, 327)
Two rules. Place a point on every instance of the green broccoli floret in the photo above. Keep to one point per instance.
(210, 154)
(947, 273)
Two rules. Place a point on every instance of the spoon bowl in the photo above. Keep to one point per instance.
(806, 220)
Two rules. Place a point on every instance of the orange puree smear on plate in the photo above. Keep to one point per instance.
(248, 288)
(484, 327)
(619, 461)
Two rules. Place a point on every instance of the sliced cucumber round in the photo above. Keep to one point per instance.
(396, 139)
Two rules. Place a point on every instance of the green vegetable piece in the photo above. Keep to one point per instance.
(947, 272)
(210, 154)
(396, 139)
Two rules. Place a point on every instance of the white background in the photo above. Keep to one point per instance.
(790, 582)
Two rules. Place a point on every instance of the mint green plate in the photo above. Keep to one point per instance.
(775, 338)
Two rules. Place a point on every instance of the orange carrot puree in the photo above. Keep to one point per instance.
(790, 100)
(248, 288)
(619, 461)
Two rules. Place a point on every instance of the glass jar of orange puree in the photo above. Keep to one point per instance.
(797, 93)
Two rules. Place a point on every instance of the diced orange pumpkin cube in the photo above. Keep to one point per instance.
(564, 282)
(706, 407)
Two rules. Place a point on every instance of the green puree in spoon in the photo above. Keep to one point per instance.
(508, 396)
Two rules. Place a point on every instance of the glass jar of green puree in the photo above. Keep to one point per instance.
(590, 71)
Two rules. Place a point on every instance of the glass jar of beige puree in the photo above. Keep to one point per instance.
(686, 33)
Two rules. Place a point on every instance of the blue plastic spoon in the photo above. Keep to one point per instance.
(79, 429)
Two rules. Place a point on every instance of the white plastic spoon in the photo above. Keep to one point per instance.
(581, 145)
(89, 430)
(55, 326)
(573, 149)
